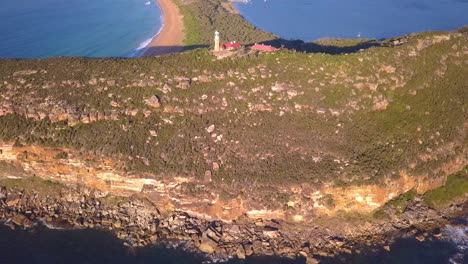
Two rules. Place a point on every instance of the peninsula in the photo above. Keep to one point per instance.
(300, 154)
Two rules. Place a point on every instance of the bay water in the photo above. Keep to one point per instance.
(90, 28)
(315, 19)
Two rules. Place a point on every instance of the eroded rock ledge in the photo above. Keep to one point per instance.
(139, 223)
(305, 203)
(286, 153)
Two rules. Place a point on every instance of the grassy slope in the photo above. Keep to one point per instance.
(321, 128)
(456, 187)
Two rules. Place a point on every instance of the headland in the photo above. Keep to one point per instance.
(296, 154)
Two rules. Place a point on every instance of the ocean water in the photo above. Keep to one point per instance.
(49, 246)
(314, 19)
(54, 246)
(91, 28)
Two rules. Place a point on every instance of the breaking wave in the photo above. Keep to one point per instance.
(459, 236)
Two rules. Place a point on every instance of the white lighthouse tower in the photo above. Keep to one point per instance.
(216, 41)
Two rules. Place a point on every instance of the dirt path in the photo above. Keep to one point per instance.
(171, 37)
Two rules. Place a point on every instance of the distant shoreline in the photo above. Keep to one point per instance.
(170, 38)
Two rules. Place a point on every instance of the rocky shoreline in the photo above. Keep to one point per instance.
(137, 222)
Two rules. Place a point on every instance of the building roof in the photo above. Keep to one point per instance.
(232, 45)
(263, 47)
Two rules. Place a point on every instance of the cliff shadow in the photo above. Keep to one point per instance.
(165, 50)
(327, 46)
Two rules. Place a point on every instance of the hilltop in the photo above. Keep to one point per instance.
(291, 136)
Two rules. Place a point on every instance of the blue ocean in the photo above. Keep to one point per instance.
(91, 28)
(49, 246)
(314, 19)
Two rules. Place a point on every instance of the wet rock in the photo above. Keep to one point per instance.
(420, 238)
(257, 246)
(21, 220)
(240, 252)
(153, 239)
(10, 224)
(437, 233)
(311, 260)
(248, 249)
(206, 248)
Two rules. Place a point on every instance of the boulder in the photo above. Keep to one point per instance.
(240, 252)
(206, 248)
(420, 238)
(215, 166)
(153, 101)
(207, 176)
(248, 249)
(183, 82)
(13, 200)
(211, 234)
(257, 246)
(310, 260)
(166, 88)
(21, 220)
(210, 128)
(153, 239)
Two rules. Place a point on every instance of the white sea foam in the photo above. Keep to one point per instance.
(145, 43)
(43, 222)
(459, 236)
(148, 3)
(143, 47)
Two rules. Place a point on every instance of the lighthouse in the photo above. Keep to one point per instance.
(216, 41)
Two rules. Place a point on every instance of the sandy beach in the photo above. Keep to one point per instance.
(171, 37)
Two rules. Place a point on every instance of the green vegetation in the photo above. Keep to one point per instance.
(456, 187)
(399, 203)
(33, 184)
(338, 42)
(191, 27)
(281, 118)
(203, 17)
(62, 155)
(328, 201)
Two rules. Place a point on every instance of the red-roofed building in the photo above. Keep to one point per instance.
(263, 47)
(232, 45)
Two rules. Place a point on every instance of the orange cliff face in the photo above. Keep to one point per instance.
(304, 203)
